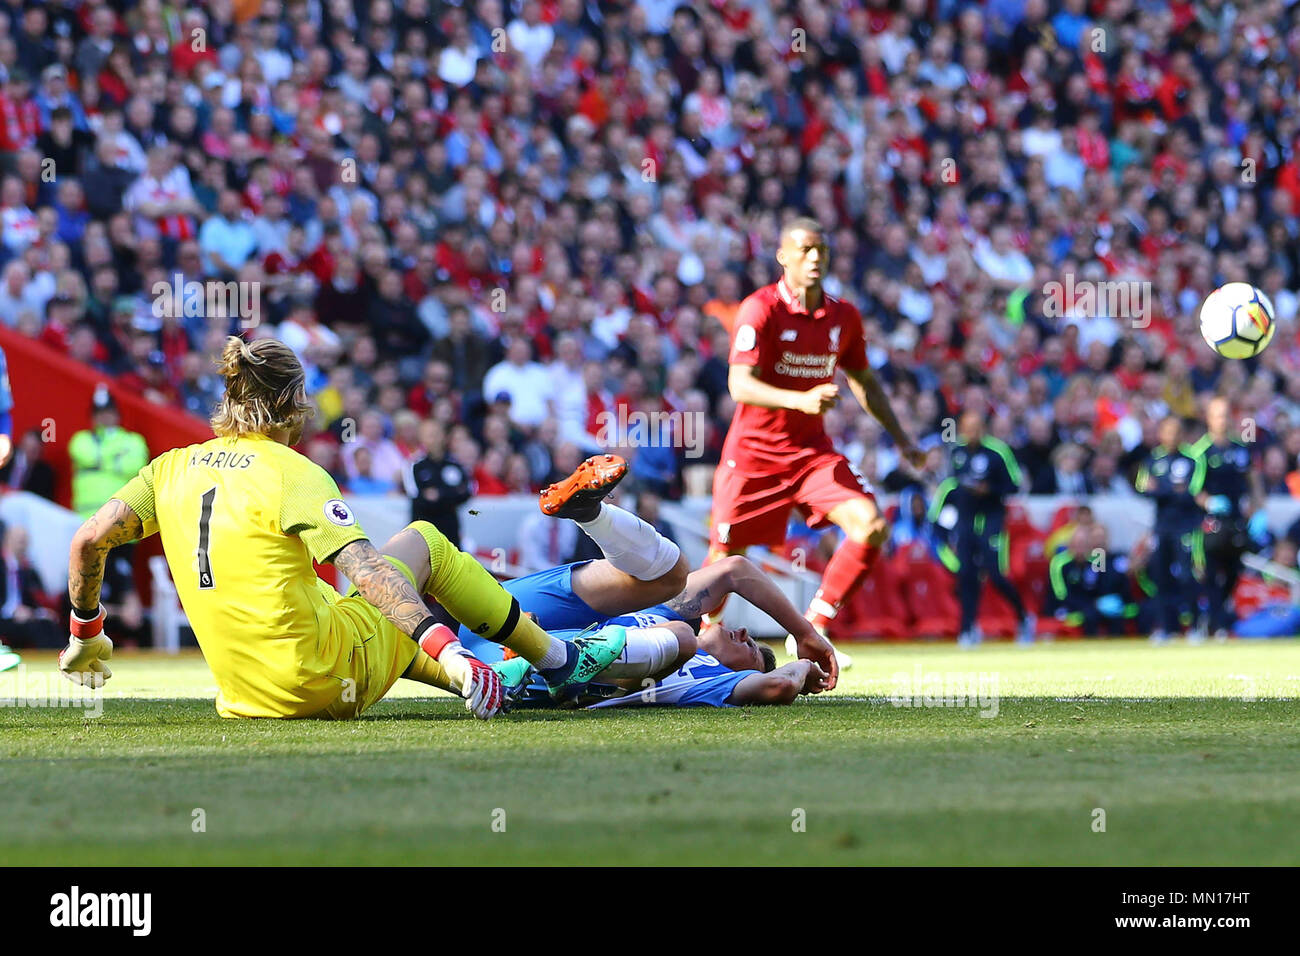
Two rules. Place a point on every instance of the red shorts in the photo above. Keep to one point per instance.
(755, 509)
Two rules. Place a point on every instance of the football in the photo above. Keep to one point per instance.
(1237, 320)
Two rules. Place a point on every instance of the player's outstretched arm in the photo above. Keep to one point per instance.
(871, 395)
(113, 524)
(781, 686)
(83, 660)
(739, 575)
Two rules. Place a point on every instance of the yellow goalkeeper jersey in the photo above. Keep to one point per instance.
(241, 520)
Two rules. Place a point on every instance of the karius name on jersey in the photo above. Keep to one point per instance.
(74, 909)
(221, 459)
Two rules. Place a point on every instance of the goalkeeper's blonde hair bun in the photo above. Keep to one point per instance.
(265, 388)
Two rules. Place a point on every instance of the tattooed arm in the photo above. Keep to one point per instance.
(85, 660)
(383, 585)
(738, 575)
(113, 524)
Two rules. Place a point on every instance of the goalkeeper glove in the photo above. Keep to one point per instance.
(1218, 505)
(82, 661)
(478, 684)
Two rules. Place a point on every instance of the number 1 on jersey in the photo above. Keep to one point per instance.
(205, 519)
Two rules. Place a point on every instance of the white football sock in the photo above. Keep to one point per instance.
(648, 651)
(556, 654)
(630, 544)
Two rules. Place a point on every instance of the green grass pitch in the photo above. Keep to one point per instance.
(1191, 753)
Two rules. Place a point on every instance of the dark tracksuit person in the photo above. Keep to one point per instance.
(437, 484)
(1173, 478)
(984, 474)
(1090, 589)
(1225, 496)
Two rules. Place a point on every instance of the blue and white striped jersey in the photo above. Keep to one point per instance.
(702, 682)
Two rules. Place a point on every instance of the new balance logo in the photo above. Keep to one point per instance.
(789, 335)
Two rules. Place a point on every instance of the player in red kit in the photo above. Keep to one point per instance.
(787, 340)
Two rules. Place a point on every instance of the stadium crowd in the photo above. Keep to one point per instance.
(495, 230)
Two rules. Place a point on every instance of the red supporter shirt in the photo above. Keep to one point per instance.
(793, 349)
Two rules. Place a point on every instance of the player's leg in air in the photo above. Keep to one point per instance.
(641, 567)
(469, 594)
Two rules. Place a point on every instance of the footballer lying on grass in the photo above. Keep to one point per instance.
(242, 516)
(639, 584)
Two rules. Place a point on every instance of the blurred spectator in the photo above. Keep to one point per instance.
(912, 525)
(1090, 589)
(6, 413)
(1066, 476)
(523, 382)
(546, 542)
(226, 239)
(162, 199)
(25, 620)
(149, 376)
(382, 465)
(362, 479)
(27, 469)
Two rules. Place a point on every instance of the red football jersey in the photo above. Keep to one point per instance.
(794, 349)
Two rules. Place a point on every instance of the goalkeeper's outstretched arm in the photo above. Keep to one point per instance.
(113, 524)
(85, 659)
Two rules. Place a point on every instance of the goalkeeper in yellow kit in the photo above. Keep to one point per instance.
(241, 518)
